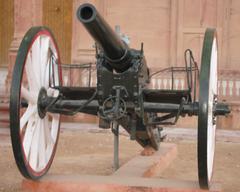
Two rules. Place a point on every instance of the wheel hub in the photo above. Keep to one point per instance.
(42, 96)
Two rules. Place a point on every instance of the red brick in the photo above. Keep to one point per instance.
(149, 166)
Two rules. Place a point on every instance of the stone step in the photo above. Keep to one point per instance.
(4, 107)
(4, 125)
(4, 97)
(4, 117)
(4, 120)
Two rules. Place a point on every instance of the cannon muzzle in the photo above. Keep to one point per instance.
(115, 50)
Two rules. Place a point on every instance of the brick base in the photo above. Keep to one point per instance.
(149, 166)
(79, 183)
(131, 177)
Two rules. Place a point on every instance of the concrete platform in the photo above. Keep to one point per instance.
(86, 183)
(131, 177)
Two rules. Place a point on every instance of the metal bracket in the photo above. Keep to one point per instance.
(115, 130)
(114, 107)
(133, 129)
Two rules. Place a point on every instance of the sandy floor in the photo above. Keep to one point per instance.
(91, 153)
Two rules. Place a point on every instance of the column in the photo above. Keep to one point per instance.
(27, 13)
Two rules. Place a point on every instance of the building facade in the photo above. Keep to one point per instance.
(166, 27)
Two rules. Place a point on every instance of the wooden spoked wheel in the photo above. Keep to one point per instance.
(207, 101)
(34, 132)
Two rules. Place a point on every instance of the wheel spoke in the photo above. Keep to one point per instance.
(48, 136)
(42, 145)
(44, 52)
(29, 96)
(49, 150)
(31, 110)
(36, 48)
(54, 69)
(33, 157)
(31, 76)
(46, 78)
(55, 126)
(27, 140)
(56, 76)
(49, 139)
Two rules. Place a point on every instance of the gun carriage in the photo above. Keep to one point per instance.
(121, 97)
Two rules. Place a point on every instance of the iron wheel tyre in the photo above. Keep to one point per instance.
(34, 136)
(206, 117)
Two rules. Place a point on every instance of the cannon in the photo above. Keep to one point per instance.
(122, 96)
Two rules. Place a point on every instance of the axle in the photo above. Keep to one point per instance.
(190, 109)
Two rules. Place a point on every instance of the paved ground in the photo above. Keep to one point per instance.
(85, 149)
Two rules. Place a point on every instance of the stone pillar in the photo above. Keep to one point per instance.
(27, 13)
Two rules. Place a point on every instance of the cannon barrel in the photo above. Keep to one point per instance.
(115, 50)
